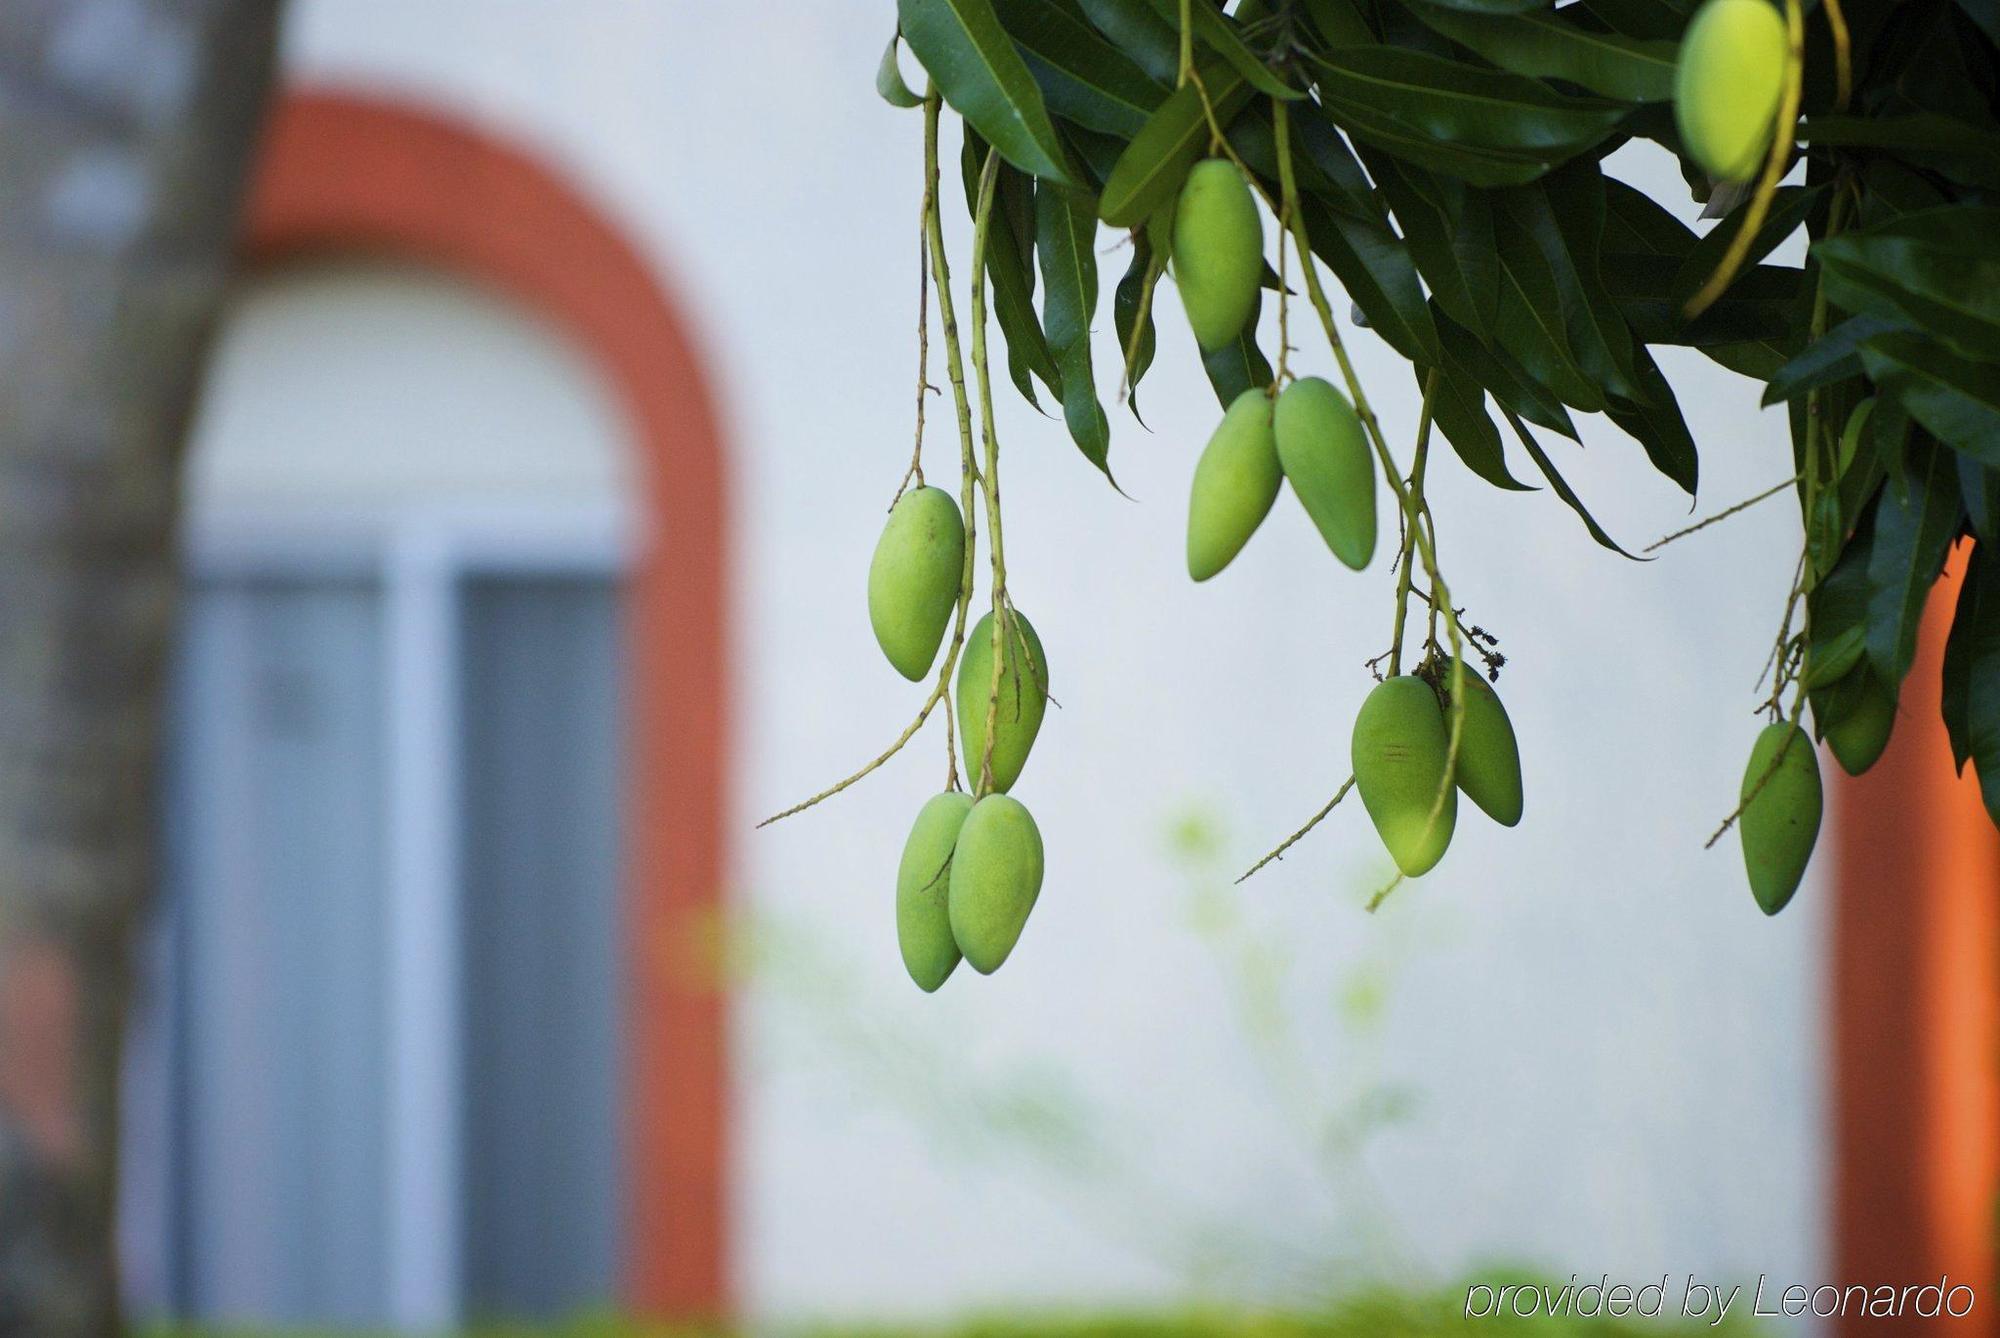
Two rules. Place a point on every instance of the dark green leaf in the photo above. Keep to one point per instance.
(1789, 208)
(1065, 234)
(1975, 635)
(1238, 365)
(1654, 420)
(1458, 407)
(1511, 388)
(1972, 678)
(1563, 217)
(1083, 77)
(1154, 164)
(1134, 294)
(1642, 18)
(1939, 270)
(1834, 356)
(1139, 32)
(1963, 152)
(1760, 305)
(1530, 321)
(1449, 230)
(1957, 400)
(1837, 613)
(1567, 493)
(889, 80)
(1980, 487)
(1340, 22)
(1010, 270)
(1494, 6)
(1548, 45)
(975, 66)
(1634, 223)
(1487, 127)
(1911, 536)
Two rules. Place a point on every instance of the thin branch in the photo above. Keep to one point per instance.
(1744, 505)
(1298, 835)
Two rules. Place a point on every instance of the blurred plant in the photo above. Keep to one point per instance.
(1040, 1116)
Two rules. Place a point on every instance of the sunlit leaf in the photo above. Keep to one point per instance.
(968, 54)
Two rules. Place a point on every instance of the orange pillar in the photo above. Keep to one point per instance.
(1916, 1012)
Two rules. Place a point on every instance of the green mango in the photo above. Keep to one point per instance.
(913, 580)
(1235, 482)
(1866, 717)
(1489, 759)
(996, 874)
(1218, 251)
(1728, 83)
(1781, 822)
(1400, 751)
(923, 913)
(1324, 452)
(1024, 696)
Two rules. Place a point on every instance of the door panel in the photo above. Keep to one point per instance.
(277, 788)
(539, 854)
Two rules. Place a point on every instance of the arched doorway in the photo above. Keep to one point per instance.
(346, 176)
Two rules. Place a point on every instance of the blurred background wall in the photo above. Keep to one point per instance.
(1577, 1046)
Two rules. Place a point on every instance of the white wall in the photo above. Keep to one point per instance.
(1613, 1059)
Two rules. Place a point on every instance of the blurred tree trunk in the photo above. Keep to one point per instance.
(126, 133)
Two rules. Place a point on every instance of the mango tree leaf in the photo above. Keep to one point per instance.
(1530, 322)
(1834, 356)
(1563, 218)
(1837, 613)
(975, 66)
(1487, 127)
(1939, 270)
(1511, 388)
(1238, 365)
(1653, 419)
(1975, 635)
(1659, 19)
(1979, 486)
(1065, 233)
(1546, 44)
(1083, 77)
(1494, 6)
(1789, 207)
(1911, 536)
(1134, 294)
(1340, 22)
(1135, 29)
(1448, 227)
(1216, 32)
(1567, 493)
(1963, 152)
(1634, 222)
(1154, 164)
(1760, 305)
(1957, 400)
(1010, 272)
(1458, 408)
(889, 80)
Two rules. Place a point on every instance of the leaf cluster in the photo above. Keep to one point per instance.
(1451, 160)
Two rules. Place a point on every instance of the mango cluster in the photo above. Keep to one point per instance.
(1401, 750)
(972, 866)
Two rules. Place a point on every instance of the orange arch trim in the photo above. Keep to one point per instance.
(348, 174)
